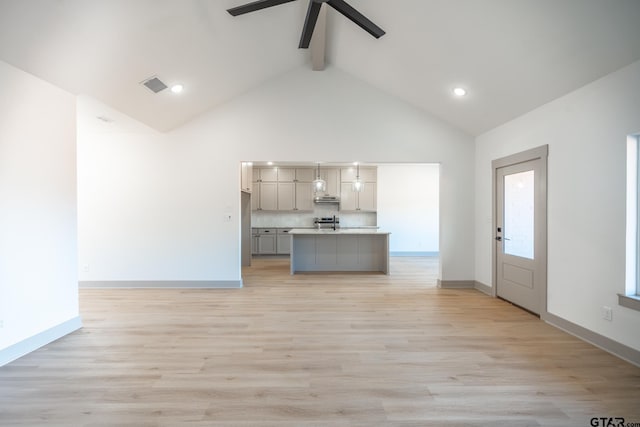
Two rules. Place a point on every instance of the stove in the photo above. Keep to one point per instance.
(327, 222)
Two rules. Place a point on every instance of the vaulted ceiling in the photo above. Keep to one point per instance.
(511, 55)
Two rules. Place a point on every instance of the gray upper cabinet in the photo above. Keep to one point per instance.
(290, 189)
(255, 196)
(332, 178)
(365, 200)
(269, 174)
(367, 174)
(305, 175)
(348, 198)
(286, 196)
(304, 189)
(304, 196)
(268, 196)
(286, 175)
(282, 189)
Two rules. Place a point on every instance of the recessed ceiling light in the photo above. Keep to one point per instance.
(270, 163)
(458, 91)
(177, 88)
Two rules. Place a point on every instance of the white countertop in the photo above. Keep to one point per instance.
(314, 231)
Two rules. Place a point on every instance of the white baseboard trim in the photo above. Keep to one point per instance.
(485, 289)
(41, 339)
(408, 253)
(162, 284)
(465, 284)
(456, 284)
(622, 351)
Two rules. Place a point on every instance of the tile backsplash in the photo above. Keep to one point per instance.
(264, 219)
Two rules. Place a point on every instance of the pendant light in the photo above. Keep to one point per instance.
(319, 184)
(357, 185)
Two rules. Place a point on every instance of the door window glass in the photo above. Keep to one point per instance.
(518, 214)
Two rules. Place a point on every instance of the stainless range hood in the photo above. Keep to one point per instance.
(327, 199)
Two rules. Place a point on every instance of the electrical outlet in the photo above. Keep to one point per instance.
(226, 218)
(607, 313)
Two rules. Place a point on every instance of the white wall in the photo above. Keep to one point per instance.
(38, 267)
(151, 206)
(408, 205)
(587, 135)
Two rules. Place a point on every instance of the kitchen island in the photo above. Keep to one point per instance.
(328, 250)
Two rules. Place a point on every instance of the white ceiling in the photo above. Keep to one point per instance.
(512, 55)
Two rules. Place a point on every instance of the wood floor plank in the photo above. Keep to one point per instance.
(315, 350)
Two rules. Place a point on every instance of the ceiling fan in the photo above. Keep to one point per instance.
(312, 16)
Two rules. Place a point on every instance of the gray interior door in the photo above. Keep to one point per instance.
(520, 234)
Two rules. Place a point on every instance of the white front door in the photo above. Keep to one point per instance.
(520, 232)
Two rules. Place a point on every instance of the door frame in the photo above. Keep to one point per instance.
(539, 153)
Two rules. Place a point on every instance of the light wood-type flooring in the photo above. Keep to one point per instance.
(315, 350)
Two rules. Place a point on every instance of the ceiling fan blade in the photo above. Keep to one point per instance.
(362, 21)
(309, 24)
(256, 5)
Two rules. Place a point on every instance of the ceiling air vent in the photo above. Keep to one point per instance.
(154, 84)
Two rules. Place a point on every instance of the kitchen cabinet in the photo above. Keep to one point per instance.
(304, 189)
(273, 196)
(270, 241)
(279, 189)
(341, 250)
(283, 244)
(255, 242)
(277, 174)
(304, 196)
(332, 177)
(367, 174)
(246, 177)
(286, 196)
(255, 196)
(290, 189)
(265, 241)
(286, 175)
(365, 200)
(267, 244)
(305, 174)
(348, 198)
(268, 196)
(267, 174)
